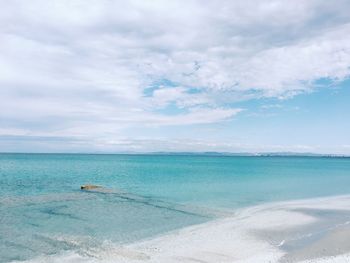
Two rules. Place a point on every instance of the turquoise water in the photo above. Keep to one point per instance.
(43, 210)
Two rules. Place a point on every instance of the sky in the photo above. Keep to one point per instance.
(197, 75)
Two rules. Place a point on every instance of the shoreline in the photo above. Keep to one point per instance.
(292, 231)
(309, 230)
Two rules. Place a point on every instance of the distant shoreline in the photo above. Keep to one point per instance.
(209, 154)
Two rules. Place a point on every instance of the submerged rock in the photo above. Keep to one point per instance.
(89, 187)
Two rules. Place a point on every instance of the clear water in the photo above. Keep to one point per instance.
(43, 210)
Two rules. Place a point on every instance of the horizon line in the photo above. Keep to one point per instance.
(204, 153)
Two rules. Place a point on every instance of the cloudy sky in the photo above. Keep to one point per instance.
(140, 76)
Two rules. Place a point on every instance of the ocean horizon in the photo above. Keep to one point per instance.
(227, 154)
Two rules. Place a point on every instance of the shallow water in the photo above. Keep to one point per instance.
(43, 210)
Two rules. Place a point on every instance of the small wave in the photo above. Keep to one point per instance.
(87, 249)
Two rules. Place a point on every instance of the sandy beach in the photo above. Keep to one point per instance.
(314, 230)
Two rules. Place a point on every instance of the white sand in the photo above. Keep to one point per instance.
(231, 239)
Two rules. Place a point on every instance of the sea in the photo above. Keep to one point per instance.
(43, 211)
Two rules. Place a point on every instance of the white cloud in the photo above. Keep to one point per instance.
(82, 67)
(271, 106)
(195, 116)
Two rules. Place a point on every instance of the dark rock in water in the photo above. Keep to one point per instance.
(89, 187)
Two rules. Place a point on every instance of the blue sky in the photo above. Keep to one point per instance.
(140, 76)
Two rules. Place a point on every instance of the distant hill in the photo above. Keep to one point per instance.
(266, 154)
